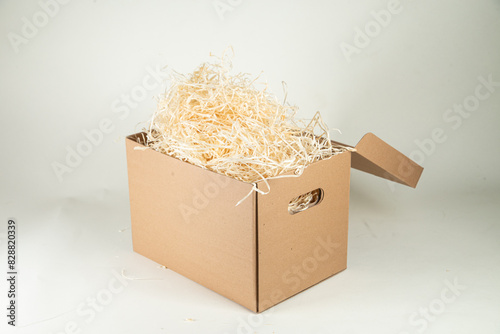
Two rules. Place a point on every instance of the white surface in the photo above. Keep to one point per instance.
(404, 244)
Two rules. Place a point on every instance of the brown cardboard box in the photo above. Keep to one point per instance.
(256, 254)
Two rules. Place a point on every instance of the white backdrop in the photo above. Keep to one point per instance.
(422, 75)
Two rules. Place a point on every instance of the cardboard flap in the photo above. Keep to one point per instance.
(376, 157)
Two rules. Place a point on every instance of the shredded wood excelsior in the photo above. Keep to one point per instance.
(222, 122)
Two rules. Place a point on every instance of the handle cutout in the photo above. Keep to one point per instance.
(305, 201)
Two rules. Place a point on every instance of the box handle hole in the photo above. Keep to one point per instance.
(305, 201)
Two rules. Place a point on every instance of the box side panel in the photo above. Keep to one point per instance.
(300, 250)
(185, 218)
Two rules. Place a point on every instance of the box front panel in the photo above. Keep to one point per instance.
(185, 218)
(297, 251)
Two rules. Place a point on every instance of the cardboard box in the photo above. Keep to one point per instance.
(256, 254)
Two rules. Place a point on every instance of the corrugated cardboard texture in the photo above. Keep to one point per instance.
(297, 251)
(376, 157)
(184, 217)
(257, 254)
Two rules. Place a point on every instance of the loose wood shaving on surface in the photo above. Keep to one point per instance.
(224, 123)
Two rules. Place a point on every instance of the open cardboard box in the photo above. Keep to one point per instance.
(257, 253)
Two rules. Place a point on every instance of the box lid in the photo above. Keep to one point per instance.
(376, 157)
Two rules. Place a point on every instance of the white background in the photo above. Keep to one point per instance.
(66, 75)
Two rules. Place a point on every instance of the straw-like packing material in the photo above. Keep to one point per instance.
(223, 123)
(304, 201)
